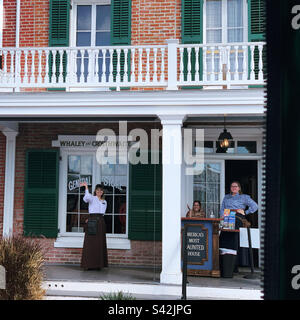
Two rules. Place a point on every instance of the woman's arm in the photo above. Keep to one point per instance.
(251, 204)
(87, 197)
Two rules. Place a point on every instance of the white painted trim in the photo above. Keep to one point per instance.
(18, 17)
(191, 103)
(77, 242)
(9, 183)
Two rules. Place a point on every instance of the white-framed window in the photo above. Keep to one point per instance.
(92, 23)
(225, 21)
(82, 165)
(91, 26)
(238, 147)
(209, 185)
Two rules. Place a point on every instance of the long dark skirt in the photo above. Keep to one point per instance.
(94, 253)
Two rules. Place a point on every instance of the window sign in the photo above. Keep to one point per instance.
(113, 178)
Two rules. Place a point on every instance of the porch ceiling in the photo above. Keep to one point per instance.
(133, 103)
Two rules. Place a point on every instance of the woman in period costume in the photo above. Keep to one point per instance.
(196, 212)
(94, 253)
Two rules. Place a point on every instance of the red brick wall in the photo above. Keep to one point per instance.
(40, 136)
(2, 177)
(9, 23)
(34, 23)
(154, 21)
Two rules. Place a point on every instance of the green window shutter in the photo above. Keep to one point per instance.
(192, 32)
(192, 22)
(145, 202)
(256, 30)
(256, 20)
(121, 22)
(41, 193)
(59, 21)
(120, 32)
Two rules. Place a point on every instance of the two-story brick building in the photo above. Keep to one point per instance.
(70, 68)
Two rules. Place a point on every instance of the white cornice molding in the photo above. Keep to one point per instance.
(185, 102)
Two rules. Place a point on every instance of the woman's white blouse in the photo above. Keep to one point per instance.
(95, 205)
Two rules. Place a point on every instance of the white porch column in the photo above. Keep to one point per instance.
(171, 199)
(9, 182)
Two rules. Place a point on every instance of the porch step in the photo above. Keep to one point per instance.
(94, 289)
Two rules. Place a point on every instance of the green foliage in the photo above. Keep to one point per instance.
(117, 296)
(23, 260)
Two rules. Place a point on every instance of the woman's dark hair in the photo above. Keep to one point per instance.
(99, 186)
(240, 191)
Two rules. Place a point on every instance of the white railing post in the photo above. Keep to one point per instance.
(172, 64)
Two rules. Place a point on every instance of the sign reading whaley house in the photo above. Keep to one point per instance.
(2, 277)
(197, 243)
(86, 142)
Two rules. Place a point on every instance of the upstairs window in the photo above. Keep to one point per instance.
(92, 25)
(225, 21)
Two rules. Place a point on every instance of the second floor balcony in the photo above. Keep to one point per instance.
(171, 66)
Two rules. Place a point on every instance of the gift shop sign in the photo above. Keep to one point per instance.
(85, 142)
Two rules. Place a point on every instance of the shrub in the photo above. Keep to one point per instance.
(23, 260)
(117, 296)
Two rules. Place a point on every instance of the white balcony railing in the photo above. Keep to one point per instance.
(169, 66)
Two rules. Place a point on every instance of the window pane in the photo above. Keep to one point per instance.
(214, 36)
(234, 13)
(83, 39)
(103, 18)
(208, 146)
(120, 204)
(120, 224)
(82, 223)
(107, 169)
(235, 35)
(73, 164)
(109, 200)
(102, 38)
(84, 207)
(84, 14)
(72, 222)
(214, 14)
(246, 147)
(108, 223)
(72, 203)
(121, 169)
(86, 165)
